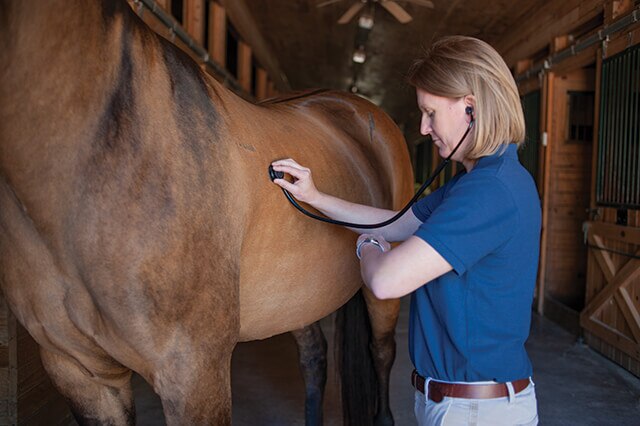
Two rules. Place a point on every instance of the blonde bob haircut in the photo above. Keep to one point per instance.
(458, 66)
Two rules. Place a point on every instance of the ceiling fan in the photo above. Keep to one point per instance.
(391, 6)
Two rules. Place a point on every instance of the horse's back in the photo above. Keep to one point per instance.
(294, 270)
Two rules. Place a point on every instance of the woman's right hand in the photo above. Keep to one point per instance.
(302, 187)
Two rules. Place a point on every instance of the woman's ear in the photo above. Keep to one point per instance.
(470, 101)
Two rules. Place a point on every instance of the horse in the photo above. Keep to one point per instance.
(139, 229)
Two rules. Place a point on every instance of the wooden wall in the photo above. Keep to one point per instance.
(593, 292)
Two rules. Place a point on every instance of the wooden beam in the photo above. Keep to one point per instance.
(629, 312)
(629, 272)
(218, 33)
(534, 33)
(193, 19)
(244, 65)
(261, 84)
(612, 337)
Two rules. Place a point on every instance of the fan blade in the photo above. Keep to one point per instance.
(327, 3)
(351, 12)
(396, 10)
(425, 3)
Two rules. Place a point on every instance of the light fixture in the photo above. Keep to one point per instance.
(365, 21)
(359, 55)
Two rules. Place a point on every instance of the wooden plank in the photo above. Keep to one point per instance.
(261, 84)
(596, 129)
(546, 174)
(193, 18)
(626, 234)
(218, 34)
(612, 336)
(631, 364)
(534, 33)
(628, 272)
(602, 257)
(629, 312)
(244, 65)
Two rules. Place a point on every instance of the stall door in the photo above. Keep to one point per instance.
(571, 140)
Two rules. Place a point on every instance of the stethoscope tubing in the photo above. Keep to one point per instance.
(424, 186)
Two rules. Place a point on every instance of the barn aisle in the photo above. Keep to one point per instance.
(575, 385)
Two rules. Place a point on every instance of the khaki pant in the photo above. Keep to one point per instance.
(520, 409)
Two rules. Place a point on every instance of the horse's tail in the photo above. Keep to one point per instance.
(354, 362)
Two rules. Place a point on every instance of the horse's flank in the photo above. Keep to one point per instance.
(139, 229)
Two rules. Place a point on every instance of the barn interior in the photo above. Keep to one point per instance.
(577, 67)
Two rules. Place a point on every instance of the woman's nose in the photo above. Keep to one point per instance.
(425, 126)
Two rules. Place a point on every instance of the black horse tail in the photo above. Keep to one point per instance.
(354, 362)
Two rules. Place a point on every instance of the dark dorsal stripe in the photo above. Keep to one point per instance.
(294, 96)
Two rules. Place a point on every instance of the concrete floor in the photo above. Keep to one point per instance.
(574, 384)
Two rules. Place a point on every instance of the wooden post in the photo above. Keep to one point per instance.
(261, 84)
(244, 65)
(271, 90)
(194, 19)
(548, 102)
(218, 34)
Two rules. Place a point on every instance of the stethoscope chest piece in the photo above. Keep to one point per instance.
(273, 175)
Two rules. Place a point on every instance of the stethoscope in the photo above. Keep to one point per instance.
(279, 175)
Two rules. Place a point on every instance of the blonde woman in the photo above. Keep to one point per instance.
(469, 251)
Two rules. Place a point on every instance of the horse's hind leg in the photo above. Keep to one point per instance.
(104, 399)
(383, 315)
(312, 356)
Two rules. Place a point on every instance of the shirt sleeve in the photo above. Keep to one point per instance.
(425, 206)
(475, 218)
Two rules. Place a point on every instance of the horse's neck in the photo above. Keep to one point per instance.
(55, 57)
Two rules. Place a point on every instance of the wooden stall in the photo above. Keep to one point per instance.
(585, 69)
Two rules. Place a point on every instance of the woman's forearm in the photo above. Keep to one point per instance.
(346, 211)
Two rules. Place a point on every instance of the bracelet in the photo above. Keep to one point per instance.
(368, 240)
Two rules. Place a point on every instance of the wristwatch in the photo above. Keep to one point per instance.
(368, 240)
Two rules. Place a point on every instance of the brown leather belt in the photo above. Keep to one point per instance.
(438, 390)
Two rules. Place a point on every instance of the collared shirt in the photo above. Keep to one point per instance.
(471, 323)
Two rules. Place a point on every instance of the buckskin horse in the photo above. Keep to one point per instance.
(139, 230)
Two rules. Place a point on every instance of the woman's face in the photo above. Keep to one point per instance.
(446, 121)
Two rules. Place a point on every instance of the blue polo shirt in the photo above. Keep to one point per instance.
(471, 323)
